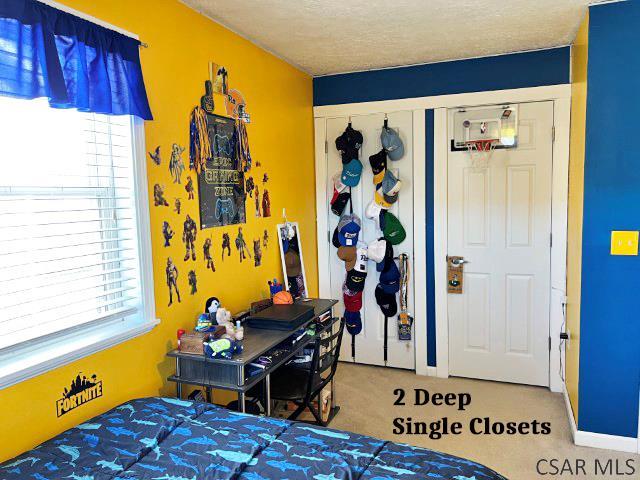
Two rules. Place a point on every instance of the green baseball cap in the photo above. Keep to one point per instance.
(393, 231)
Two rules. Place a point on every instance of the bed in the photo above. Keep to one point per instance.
(172, 439)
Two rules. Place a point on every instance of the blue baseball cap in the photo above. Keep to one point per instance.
(351, 172)
(390, 278)
(392, 143)
(349, 230)
(353, 322)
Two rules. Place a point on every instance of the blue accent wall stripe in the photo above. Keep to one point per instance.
(610, 305)
(517, 70)
(431, 290)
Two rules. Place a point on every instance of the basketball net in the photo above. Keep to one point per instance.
(481, 151)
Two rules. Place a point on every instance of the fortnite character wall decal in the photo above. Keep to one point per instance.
(189, 188)
(155, 156)
(265, 239)
(167, 233)
(172, 280)
(189, 233)
(266, 204)
(257, 253)
(158, 196)
(176, 165)
(265, 178)
(241, 245)
(206, 250)
(258, 214)
(177, 205)
(226, 244)
(193, 281)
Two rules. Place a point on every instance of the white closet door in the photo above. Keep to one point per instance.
(369, 343)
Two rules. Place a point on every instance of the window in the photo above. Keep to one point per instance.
(70, 224)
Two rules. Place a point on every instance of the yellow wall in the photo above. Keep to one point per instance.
(576, 194)
(279, 98)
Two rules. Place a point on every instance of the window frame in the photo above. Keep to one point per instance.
(35, 357)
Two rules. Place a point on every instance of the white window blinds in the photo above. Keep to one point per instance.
(68, 249)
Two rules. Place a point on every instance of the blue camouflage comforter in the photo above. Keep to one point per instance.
(171, 439)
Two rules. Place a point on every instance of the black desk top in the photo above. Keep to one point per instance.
(259, 341)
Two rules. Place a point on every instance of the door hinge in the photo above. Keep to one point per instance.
(549, 343)
(553, 134)
(551, 239)
(326, 147)
(329, 237)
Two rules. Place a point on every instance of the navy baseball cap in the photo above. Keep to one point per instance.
(353, 322)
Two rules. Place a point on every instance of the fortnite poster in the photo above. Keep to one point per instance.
(221, 182)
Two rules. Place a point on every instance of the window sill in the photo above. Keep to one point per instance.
(27, 361)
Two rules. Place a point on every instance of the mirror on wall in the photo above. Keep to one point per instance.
(291, 256)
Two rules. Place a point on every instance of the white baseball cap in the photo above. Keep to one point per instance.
(376, 250)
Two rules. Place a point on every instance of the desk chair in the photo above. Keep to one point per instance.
(302, 384)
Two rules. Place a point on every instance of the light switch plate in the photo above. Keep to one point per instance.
(624, 242)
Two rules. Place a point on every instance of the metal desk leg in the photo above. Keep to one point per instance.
(207, 391)
(332, 404)
(267, 388)
(178, 384)
(241, 403)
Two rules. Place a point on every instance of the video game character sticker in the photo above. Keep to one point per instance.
(172, 280)
(167, 233)
(193, 281)
(241, 245)
(155, 156)
(189, 233)
(176, 164)
(189, 188)
(257, 253)
(206, 250)
(226, 245)
(82, 390)
(158, 196)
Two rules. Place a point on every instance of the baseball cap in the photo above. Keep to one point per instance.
(348, 256)
(390, 183)
(390, 278)
(339, 202)
(348, 230)
(353, 322)
(378, 197)
(393, 230)
(334, 239)
(386, 302)
(376, 250)
(337, 182)
(390, 199)
(391, 143)
(349, 142)
(355, 280)
(351, 172)
(378, 162)
(388, 257)
(352, 300)
(361, 259)
(373, 212)
(292, 262)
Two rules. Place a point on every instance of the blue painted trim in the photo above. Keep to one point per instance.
(517, 70)
(431, 289)
(609, 324)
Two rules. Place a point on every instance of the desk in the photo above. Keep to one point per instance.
(230, 374)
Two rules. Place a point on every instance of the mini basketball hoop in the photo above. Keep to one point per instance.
(481, 150)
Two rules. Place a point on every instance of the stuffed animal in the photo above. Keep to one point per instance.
(223, 317)
(222, 348)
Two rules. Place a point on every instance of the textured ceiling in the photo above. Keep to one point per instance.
(334, 36)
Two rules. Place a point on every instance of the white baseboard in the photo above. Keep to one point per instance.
(432, 371)
(598, 440)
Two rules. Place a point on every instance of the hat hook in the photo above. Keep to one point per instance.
(386, 121)
(349, 120)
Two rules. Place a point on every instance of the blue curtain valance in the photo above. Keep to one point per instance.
(45, 52)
